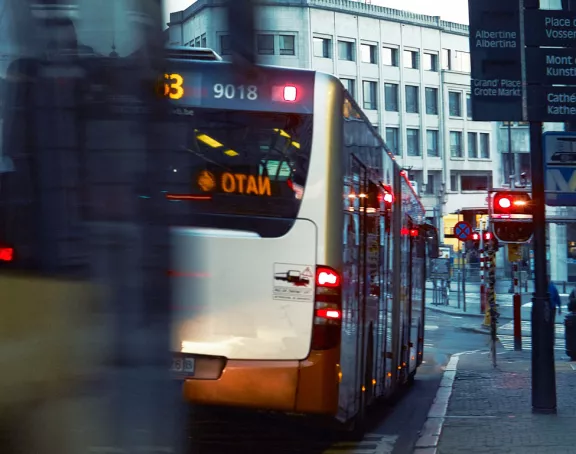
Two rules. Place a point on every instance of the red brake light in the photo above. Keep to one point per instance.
(404, 231)
(333, 314)
(475, 236)
(325, 277)
(414, 232)
(388, 198)
(488, 236)
(6, 254)
(290, 93)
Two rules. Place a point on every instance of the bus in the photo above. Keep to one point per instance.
(299, 284)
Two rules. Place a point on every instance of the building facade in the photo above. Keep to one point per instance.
(409, 72)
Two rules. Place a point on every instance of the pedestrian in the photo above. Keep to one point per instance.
(554, 296)
(572, 301)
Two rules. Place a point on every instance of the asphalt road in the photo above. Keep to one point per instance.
(393, 428)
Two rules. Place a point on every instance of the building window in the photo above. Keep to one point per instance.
(473, 145)
(197, 42)
(456, 144)
(455, 103)
(392, 140)
(203, 42)
(469, 106)
(432, 148)
(411, 59)
(390, 56)
(225, 45)
(413, 142)
(446, 59)
(370, 95)
(287, 45)
(461, 61)
(391, 97)
(431, 101)
(322, 47)
(265, 44)
(191, 43)
(454, 182)
(412, 104)
(349, 84)
(346, 50)
(430, 186)
(368, 53)
(484, 146)
(475, 182)
(430, 62)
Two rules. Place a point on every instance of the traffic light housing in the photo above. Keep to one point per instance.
(513, 231)
(511, 216)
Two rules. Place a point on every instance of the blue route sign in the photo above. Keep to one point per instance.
(462, 230)
(560, 168)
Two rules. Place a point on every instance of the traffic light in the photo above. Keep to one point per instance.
(490, 241)
(388, 199)
(511, 216)
(511, 205)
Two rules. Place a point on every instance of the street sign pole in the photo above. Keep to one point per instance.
(543, 371)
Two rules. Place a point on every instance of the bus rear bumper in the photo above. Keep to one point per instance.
(308, 386)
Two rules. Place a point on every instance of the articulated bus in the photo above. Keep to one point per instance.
(299, 284)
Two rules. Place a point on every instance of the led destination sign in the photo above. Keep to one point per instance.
(215, 85)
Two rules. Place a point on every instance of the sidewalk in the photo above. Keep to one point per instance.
(481, 410)
(503, 300)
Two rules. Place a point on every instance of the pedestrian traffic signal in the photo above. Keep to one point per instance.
(513, 231)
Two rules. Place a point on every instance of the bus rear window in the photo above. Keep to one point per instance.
(238, 162)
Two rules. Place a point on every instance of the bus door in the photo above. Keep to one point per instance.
(369, 279)
(415, 297)
(406, 267)
(373, 321)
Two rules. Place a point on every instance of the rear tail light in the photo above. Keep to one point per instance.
(290, 93)
(326, 332)
(6, 254)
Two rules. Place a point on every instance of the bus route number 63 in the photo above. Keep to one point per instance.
(229, 91)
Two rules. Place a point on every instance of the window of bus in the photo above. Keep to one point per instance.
(239, 164)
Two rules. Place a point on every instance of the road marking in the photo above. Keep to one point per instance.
(454, 316)
(431, 327)
(508, 343)
(376, 444)
(526, 326)
(427, 443)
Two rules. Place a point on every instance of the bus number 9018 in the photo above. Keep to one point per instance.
(230, 91)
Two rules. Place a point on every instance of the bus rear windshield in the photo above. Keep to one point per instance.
(238, 162)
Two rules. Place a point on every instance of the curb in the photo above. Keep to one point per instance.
(429, 438)
(462, 314)
(480, 330)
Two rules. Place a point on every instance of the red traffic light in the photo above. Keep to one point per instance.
(487, 236)
(512, 204)
(504, 202)
(475, 236)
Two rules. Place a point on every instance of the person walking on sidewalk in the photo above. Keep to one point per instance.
(572, 301)
(554, 296)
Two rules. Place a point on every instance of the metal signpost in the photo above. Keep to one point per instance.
(463, 231)
(504, 60)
